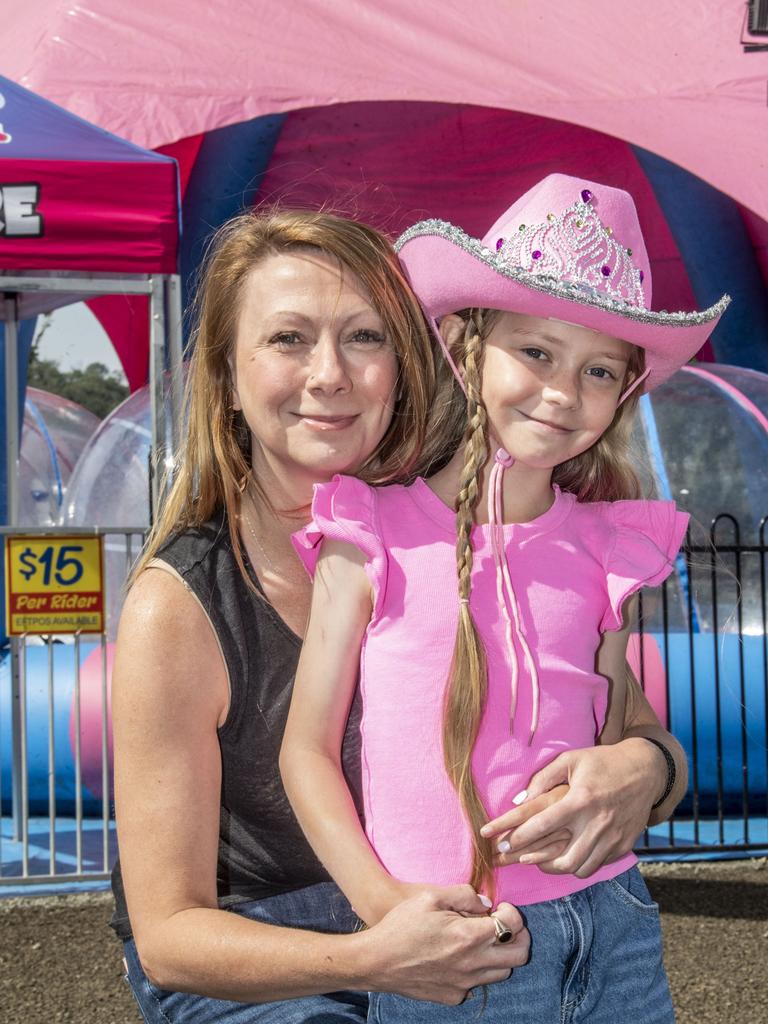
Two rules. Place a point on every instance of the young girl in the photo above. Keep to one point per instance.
(466, 695)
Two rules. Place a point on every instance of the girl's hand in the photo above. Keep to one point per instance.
(607, 806)
(440, 943)
(503, 831)
(391, 892)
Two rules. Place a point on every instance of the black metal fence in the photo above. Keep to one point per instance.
(708, 625)
(701, 652)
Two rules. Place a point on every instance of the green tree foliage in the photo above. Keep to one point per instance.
(95, 387)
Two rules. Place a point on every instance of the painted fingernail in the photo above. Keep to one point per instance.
(485, 830)
(521, 797)
(504, 846)
(484, 900)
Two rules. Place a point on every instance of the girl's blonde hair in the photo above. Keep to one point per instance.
(214, 463)
(602, 473)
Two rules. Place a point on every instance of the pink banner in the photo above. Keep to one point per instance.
(80, 216)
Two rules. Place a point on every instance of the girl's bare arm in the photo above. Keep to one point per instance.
(310, 759)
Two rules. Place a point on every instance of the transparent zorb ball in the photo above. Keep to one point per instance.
(703, 438)
(110, 487)
(54, 433)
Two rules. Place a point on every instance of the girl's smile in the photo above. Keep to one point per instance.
(547, 425)
(550, 390)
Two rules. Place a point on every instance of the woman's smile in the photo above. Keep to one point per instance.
(322, 422)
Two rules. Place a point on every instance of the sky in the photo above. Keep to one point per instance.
(74, 338)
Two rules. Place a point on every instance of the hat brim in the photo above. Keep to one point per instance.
(449, 270)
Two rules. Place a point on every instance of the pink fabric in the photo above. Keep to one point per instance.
(670, 77)
(757, 229)
(640, 557)
(413, 817)
(645, 660)
(125, 318)
(392, 164)
(184, 152)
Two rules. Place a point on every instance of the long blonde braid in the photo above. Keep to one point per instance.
(602, 473)
(468, 680)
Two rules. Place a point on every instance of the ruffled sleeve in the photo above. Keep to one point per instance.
(646, 539)
(345, 509)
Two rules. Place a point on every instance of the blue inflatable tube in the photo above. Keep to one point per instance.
(690, 682)
(64, 732)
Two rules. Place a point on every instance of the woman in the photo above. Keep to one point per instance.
(311, 359)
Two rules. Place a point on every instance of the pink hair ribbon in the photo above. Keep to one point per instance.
(633, 385)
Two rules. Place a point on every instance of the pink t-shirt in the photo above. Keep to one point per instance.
(572, 568)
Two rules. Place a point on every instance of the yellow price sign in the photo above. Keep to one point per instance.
(54, 585)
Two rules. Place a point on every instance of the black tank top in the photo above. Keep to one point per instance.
(262, 850)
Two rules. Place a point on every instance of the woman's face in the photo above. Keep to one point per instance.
(314, 372)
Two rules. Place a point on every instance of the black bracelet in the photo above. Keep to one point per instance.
(671, 770)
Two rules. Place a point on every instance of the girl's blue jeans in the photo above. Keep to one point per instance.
(596, 958)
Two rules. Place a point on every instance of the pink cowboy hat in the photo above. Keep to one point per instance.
(567, 250)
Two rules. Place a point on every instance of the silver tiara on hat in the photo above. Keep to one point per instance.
(573, 256)
(576, 247)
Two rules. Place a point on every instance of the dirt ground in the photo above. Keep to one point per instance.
(59, 962)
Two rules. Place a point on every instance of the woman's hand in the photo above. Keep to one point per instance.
(608, 803)
(440, 943)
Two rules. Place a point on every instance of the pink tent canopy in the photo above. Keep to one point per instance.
(77, 199)
(672, 78)
(82, 213)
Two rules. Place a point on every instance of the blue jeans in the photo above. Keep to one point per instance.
(596, 958)
(319, 908)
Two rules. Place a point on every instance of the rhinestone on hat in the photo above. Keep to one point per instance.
(576, 247)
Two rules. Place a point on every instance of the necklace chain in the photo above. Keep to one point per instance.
(252, 530)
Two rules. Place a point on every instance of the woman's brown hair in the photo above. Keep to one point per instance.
(602, 473)
(214, 463)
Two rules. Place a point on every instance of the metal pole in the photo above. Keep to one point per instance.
(156, 371)
(17, 724)
(11, 408)
(175, 359)
(11, 355)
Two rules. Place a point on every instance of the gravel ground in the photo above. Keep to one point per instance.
(59, 962)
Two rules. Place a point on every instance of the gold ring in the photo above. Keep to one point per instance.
(503, 934)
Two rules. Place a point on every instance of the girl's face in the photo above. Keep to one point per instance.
(551, 389)
(314, 374)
